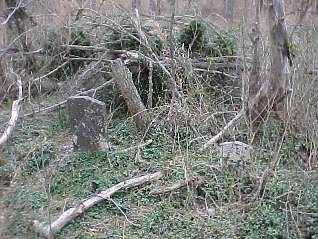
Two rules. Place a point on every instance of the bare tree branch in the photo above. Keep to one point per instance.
(62, 103)
(49, 231)
(226, 127)
(16, 107)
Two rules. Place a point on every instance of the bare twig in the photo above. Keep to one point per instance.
(51, 72)
(62, 103)
(171, 48)
(12, 13)
(150, 88)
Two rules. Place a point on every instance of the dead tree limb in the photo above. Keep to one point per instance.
(63, 103)
(50, 230)
(124, 82)
(171, 188)
(138, 146)
(230, 124)
(16, 107)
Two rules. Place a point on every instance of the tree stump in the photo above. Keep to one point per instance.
(123, 80)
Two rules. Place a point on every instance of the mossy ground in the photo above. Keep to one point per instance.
(50, 180)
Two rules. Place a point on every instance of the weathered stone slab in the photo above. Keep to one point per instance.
(235, 152)
(87, 122)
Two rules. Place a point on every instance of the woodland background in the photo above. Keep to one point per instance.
(211, 123)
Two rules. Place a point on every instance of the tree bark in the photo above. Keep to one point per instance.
(276, 87)
(16, 107)
(49, 231)
(18, 22)
(135, 4)
(159, 7)
(255, 81)
(229, 10)
(123, 80)
(152, 7)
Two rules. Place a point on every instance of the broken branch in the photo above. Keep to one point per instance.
(169, 189)
(62, 103)
(16, 107)
(49, 230)
(226, 127)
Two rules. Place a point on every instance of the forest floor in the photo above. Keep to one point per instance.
(50, 178)
(2, 210)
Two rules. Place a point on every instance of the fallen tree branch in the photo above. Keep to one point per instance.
(138, 146)
(16, 107)
(51, 72)
(169, 189)
(125, 85)
(226, 127)
(49, 231)
(163, 62)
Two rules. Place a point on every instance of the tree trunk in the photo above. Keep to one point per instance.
(265, 95)
(280, 55)
(123, 80)
(93, 5)
(152, 7)
(159, 7)
(135, 4)
(229, 10)
(18, 22)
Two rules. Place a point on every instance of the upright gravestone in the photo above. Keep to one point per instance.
(87, 122)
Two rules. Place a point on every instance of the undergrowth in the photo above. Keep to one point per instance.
(211, 207)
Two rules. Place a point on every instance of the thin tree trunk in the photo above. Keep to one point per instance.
(123, 80)
(229, 10)
(135, 4)
(152, 7)
(93, 4)
(159, 7)
(171, 42)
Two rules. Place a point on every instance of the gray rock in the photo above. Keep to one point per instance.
(87, 122)
(235, 152)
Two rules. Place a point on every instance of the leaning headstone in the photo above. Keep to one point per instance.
(87, 122)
